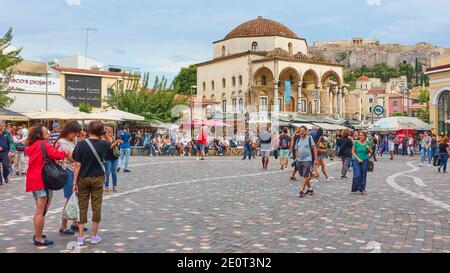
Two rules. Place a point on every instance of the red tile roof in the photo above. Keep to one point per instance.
(89, 71)
(261, 27)
(438, 67)
(376, 91)
(363, 78)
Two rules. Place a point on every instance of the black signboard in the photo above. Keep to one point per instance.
(84, 88)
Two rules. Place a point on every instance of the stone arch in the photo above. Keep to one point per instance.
(310, 76)
(289, 72)
(331, 74)
(263, 71)
(437, 95)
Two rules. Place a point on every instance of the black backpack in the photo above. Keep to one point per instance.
(54, 176)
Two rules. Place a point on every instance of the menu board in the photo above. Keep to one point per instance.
(84, 88)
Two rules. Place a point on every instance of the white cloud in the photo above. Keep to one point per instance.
(73, 2)
(374, 2)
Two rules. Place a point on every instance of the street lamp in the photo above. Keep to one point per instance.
(46, 81)
(87, 40)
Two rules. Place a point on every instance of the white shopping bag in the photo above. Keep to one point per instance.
(72, 210)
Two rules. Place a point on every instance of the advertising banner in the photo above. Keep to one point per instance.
(34, 83)
(287, 92)
(84, 89)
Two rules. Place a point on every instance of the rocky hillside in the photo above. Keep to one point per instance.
(369, 54)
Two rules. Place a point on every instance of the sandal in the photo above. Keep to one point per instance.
(66, 232)
(43, 236)
(45, 243)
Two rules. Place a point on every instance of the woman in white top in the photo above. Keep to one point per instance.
(20, 160)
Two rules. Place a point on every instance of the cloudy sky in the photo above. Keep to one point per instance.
(160, 36)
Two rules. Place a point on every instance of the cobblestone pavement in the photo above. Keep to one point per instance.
(229, 205)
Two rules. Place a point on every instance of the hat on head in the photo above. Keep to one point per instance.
(55, 124)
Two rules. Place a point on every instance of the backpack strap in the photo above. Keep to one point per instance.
(89, 143)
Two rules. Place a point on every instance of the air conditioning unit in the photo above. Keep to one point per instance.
(113, 69)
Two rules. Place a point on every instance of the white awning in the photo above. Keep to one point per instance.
(329, 127)
(309, 126)
(119, 114)
(32, 103)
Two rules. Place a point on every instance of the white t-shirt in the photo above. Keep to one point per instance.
(67, 146)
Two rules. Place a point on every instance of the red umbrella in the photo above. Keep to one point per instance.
(194, 122)
(216, 123)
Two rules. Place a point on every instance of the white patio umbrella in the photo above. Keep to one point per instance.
(122, 115)
(399, 123)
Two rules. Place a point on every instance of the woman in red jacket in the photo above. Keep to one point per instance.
(34, 182)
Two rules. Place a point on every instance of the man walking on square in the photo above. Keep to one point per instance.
(247, 145)
(306, 155)
(125, 149)
(6, 151)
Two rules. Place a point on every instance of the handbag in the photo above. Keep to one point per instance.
(20, 147)
(54, 176)
(371, 166)
(116, 152)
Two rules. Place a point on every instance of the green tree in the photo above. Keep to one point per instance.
(85, 107)
(7, 61)
(186, 78)
(139, 100)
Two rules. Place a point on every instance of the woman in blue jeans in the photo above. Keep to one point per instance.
(444, 153)
(360, 151)
(112, 161)
(66, 142)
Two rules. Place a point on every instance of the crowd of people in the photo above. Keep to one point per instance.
(91, 156)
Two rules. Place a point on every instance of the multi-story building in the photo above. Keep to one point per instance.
(264, 65)
(440, 94)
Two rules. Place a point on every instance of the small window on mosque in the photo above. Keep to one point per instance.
(212, 85)
(240, 80)
(223, 51)
(224, 83)
(254, 46)
(263, 80)
(204, 86)
(233, 81)
(290, 48)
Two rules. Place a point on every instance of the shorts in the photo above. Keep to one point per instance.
(321, 156)
(201, 147)
(265, 153)
(42, 193)
(284, 153)
(304, 168)
(68, 187)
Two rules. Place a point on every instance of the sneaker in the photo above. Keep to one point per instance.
(429, 165)
(421, 165)
(344, 177)
(330, 179)
(293, 178)
(126, 171)
(95, 239)
(439, 170)
(118, 169)
(6, 180)
(282, 166)
(315, 181)
(302, 194)
(80, 241)
(114, 189)
(309, 192)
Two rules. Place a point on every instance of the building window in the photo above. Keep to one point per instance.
(240, 80)
(315, 106)
(223, 51)
(234, 102)
(233, 81)
(280, 104)
(303, 106)
(395, 103)
(290, 49)
(224, 83)
(370, 100)
(263, 104)
(263, 80)
(241, 105)
(224, 106)
(212, 85)
(254, 46)
(204, 86)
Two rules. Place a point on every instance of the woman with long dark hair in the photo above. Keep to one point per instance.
(66, 142)
(112, 161)
(37, 135)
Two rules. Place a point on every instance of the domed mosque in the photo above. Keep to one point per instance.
(265, 65)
